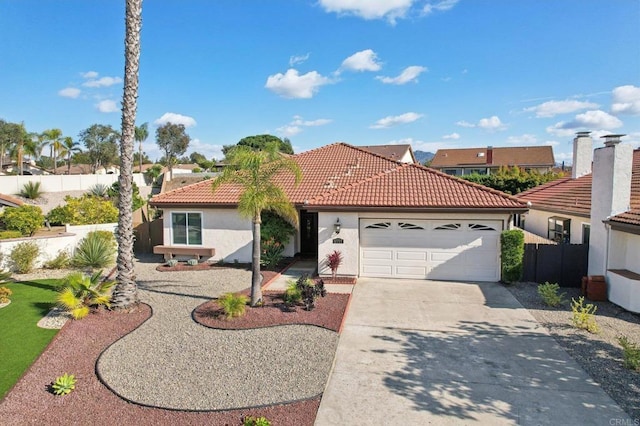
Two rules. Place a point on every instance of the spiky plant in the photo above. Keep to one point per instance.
(80, 292)
(99, 190)
(234, 305)
(64, 384)
(96, 250)
(31, 190)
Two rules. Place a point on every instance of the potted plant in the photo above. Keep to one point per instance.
(333, 261)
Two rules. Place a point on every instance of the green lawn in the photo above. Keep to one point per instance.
(22, 340)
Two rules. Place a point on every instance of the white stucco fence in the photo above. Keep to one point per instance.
(59, 183)
(50, 246)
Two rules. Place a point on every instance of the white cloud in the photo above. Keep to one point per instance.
(90, 74)
(553, 108)
(208, 150)
(102, 82)
(626, 100)
(365, 60)
(297, 124)
(298, 59)
(107, 105)
(491, 123)
(453, 136)
(293, 85)
(438, 6)
(526, 139)
(69, 92)
(559, 130)
(463, 123)
(409, 74)
(172, 117)
(552, 143)
(593, 120)
(369, 9)
(394, 120)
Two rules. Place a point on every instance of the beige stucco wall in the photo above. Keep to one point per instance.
(537, 222)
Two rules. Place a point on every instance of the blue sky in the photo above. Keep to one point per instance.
(436, 74)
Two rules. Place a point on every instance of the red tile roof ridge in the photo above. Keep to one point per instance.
(465, 182)
(356, 148)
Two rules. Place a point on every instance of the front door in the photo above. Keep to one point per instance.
(308, 234)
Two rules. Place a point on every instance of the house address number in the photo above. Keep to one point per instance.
(338, 241)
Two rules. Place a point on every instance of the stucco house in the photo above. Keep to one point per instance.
(466, 161)
(598, 205)
(387, 218)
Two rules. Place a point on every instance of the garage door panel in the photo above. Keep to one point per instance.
(377, 270)
(411, 255)
(411, 271)
(377, 254)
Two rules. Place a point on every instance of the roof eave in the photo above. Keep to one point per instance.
(623, 227)
(399, 209)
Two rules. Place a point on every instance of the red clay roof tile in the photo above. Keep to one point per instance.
(526, 156)
(342, 175)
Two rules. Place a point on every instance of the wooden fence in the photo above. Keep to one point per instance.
(564, 264)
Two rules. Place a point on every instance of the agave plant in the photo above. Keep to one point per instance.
(80, 292)
(96, 250)
(31, 190)
(64, 384)
(99, 190)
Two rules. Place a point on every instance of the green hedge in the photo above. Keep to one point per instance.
(25, 219)
(512, 253)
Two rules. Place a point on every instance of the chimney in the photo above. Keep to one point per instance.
(489, 155)
(582, 155)
(610, 195)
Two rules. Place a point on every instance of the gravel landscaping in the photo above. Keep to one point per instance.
(188, 369)
(599, 354)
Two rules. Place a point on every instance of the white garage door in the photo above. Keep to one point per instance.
(431, 249)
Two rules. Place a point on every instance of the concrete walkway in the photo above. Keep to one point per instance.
(425, 352)
(301, 267)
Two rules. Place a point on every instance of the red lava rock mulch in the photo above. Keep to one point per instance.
(328, 313)
(75, 350)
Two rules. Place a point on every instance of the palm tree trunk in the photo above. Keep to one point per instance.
(126, 291)
(256, 278)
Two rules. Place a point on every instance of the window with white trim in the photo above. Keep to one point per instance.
(186, 228)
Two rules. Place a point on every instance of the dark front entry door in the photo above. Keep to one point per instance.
(308, 233)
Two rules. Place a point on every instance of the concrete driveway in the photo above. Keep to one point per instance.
(427, 352)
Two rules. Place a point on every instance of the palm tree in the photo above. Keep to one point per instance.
(69, 147)
(254, 172)
(141, 135)
(54, 136)
(126, 291)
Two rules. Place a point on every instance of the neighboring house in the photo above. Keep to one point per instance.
(388, 219)
(599, 208)
(466, 161)
(28, 168)
(85, 169)
(402, 153)
(9, 201)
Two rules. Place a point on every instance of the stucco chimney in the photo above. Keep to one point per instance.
(582, 155)
(610, 195)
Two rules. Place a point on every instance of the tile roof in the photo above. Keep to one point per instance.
(573, 196)
(8, 200)
(342, 175)
(540, 156)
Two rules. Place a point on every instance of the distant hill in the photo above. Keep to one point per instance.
(423, 156)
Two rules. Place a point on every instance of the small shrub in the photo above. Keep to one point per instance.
(5, 235)
(192, 262)
(99, 190)
(31, 190)
(26, 219)
(64, 384)
(61, 261)
(234, 305)
(256, 421)
(584, 315)
(275, 228)
(333, 261)
(85, 210)
(512, 253)
(4, 294)
(630, 353)
(80, 292)
(172, 262)
(549, 294)
(271, 253)
(114, 193)
(23, 257)
(196, 170)
(292, 295)
(96, 250)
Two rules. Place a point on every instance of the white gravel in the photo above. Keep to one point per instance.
(172, 362)
(600, 355)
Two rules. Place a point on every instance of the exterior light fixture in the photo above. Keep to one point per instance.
(336, 226)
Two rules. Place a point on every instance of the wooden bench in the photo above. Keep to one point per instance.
(170, 251)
